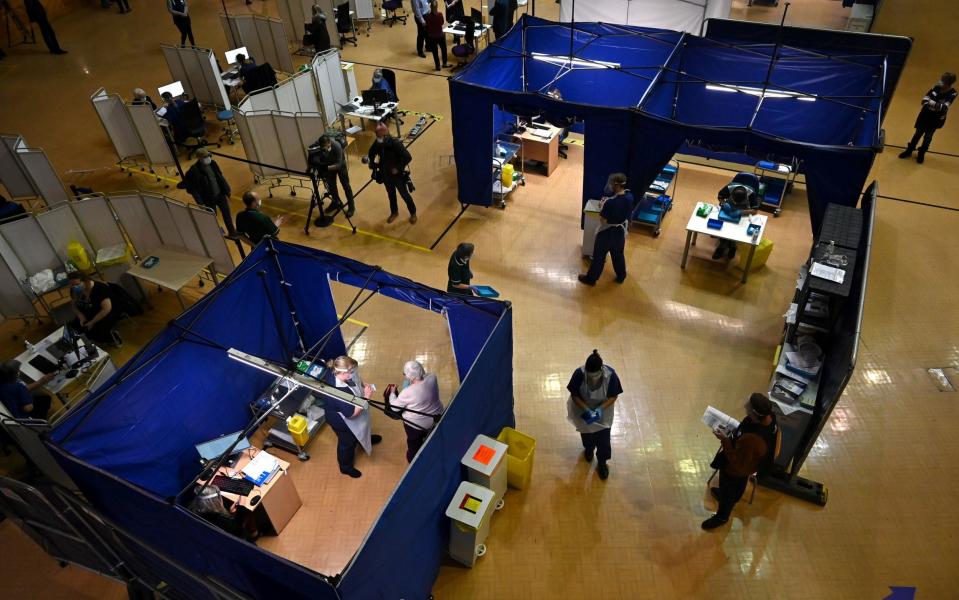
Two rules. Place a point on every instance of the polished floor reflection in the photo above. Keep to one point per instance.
(679, 340)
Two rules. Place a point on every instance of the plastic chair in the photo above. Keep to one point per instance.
(391, 6)
(344, 24)
(230, 131)
(468, 47)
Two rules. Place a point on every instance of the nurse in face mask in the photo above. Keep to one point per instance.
(350, 423)
(593, 390)
(617, 204)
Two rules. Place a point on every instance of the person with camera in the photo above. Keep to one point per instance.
(388, 158)
(328, 159)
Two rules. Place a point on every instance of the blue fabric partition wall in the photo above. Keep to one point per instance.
(130, 445)
(643, 93)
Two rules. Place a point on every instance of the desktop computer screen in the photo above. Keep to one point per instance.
(212, 449)
(375, 97)
(175, 88)
(231, 54)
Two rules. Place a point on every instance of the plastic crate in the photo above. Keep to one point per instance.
(519, 457)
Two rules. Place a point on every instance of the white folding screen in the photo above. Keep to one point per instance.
(331, 87)
(163, 221)
(30, 246)
(363, 9)
(679, 15)
(265, 39)
(156, 149)
(61, 227)
(295, 14)
(12, 175)
(14, 301)
(44, 177)
(96, 219)
(196, 69)
(116, 121)
(136, 222)
(208, 229)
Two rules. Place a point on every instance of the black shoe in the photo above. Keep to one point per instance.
(352, 472)
(920, 157)
(718, 252)
(618, 280)
(603, 471)
(731, 251)
(59, 51)
(421, 55)
(376, 439)
(713, 522)
(586, 280)
(715, 492)
(588, 455)
(905, 153)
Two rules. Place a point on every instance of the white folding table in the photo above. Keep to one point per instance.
(735, 232)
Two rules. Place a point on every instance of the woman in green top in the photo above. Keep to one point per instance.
(459, 270)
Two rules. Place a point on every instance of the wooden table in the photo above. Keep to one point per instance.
(541, 145)
(279, 499)
(174, 270)
(735, 232)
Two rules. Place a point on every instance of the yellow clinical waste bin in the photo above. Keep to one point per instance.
(763, 250)
(519, 457)
(297, 425)
(507, 175)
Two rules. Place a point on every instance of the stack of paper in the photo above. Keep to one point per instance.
(717, 420)
(261, 468)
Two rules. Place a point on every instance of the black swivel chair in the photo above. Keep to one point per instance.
(193, 127)
(344, 24)
(390, 76)
(391, 6)
(259, 77)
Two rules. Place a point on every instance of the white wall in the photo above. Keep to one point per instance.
(679, 15)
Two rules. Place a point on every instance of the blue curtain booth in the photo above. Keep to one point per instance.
(130, 444)
(643, 93)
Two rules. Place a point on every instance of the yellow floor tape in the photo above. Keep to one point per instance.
(353, 321)
(290, 212)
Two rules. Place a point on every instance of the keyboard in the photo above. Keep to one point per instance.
(240, 487)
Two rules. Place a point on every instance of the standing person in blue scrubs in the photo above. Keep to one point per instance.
(593, 390)
(611, 237)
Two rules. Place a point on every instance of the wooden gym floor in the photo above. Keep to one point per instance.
(679, 340)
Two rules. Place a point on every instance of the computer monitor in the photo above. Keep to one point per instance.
(375, 97)
(214, 448)
(477, 17)
(231, 54)
(175, 89)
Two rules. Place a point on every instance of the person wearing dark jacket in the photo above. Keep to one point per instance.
(389, 157)
(37, 14)
(329, 161)
(458, 272)
(23, 400)
(205, 182)
(181, 18)
(435, 38)
(237, 520)
(611, 237)
(932, 116)
(744, 452)
(502, 12)
(318, 31)
(95, 310)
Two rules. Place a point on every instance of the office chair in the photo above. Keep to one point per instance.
(390, 76)
(230, 132)
(261, 76)
(391, 6)
(344, 24)
(193, 127)
(468, 47)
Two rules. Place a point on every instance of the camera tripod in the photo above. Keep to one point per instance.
(29, 37)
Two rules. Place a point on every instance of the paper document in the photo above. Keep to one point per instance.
(717, 420)
(262, 465)
(827, 272)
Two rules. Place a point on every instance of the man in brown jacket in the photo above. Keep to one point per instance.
(743, 453)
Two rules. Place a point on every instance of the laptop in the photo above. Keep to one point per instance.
(212, 449)
(230, 55)
(175, 89)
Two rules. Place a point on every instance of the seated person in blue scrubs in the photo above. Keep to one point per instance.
(246, 65)
(737, 200)
(611, 237)
(23, 400)
(10, 210)
(172, 115)
(380, 83)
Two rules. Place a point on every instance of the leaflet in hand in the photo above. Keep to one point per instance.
(717, 420)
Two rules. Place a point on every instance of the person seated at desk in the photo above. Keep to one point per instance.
(252, 225)
(171, 112)
(10, 210)
(736, 200)
(236, 520)
(92, 303)
(140, 97)
(244, 65)
(416, 404)
(350, 423)
(23, 400)
(380, 83)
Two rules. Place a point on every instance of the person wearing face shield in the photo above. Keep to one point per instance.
(350, 423)
(420, 393)
(617, 203)
(593, 390)
(751, 448)
(205, 182)
(388, 158)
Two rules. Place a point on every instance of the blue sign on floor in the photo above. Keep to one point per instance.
(901, 593)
